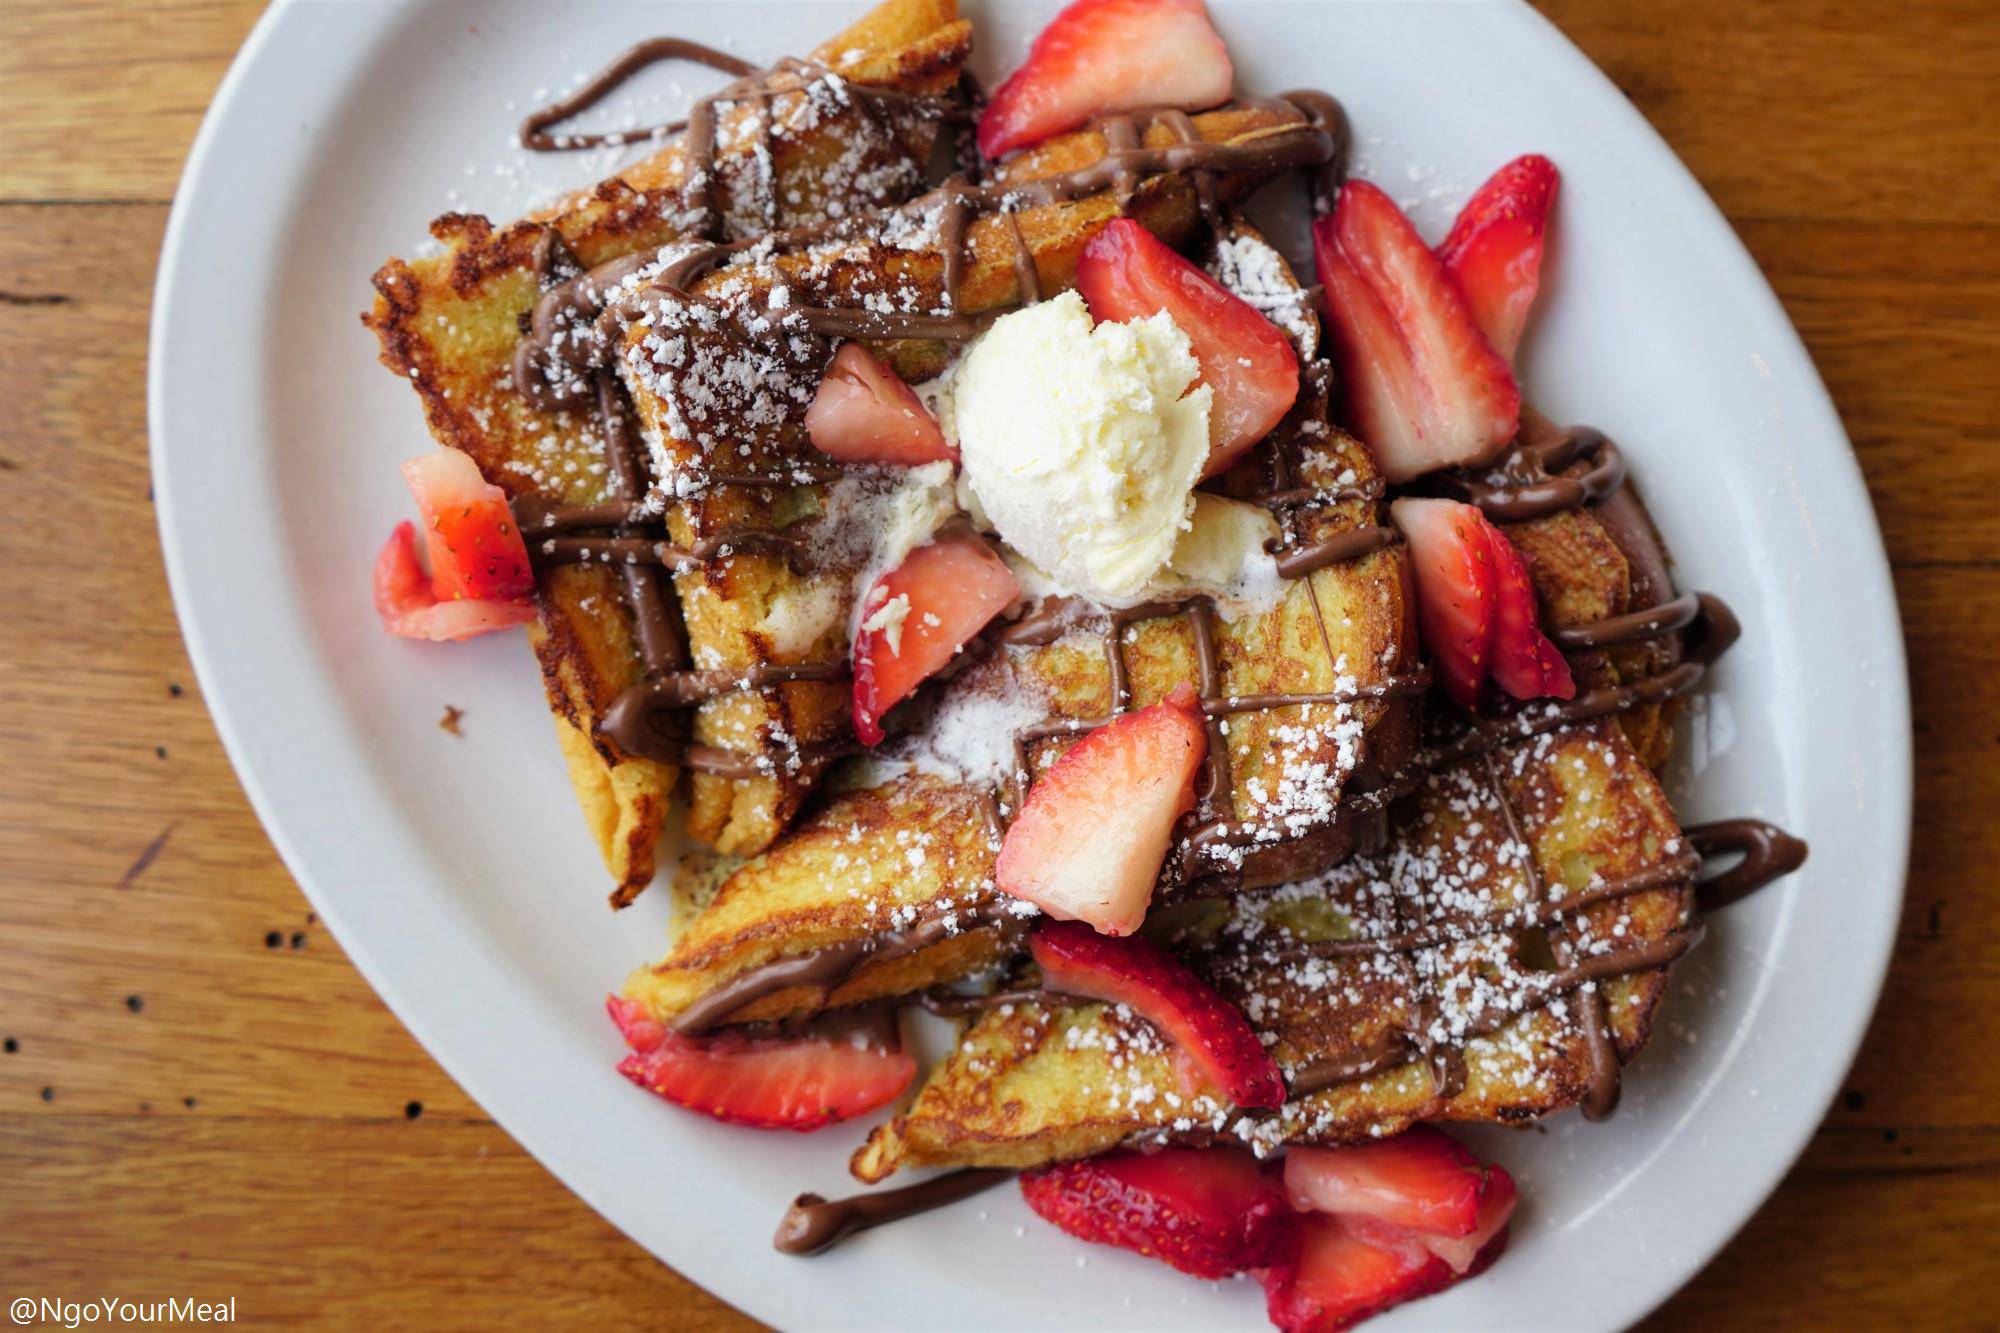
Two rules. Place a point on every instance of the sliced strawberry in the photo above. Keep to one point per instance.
(1212, 1212)
(408, 605)
(641, 1031)
(1452, 560)
(767, 1082)
(479, 580)
(916, 616)
(476, 551)
(1525, 663)
(864, 413)
(1420, 1180)
(1378, 382)
(1126, 272)
(1151, 982)
(1089, 840)
(1424, 388)
(1103, 56)
(1479, 1247)
(1494, 250)
(1342, 1276)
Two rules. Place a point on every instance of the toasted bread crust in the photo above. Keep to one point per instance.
(869, 861)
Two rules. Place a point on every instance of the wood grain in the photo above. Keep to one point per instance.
(200, 1093)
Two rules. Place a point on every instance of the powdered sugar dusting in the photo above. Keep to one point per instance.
(1251, 267)
(970, 737)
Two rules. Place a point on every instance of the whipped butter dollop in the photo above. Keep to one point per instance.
(1081, 444)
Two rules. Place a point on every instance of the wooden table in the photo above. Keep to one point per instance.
(199, 1095)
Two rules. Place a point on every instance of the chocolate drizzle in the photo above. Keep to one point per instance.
(661, 647)
(534, 129)
(1326, 114)
(1769, 853)
(829, 968)
(813, 1224)
(1539, 477)
(1295, 562)
(1667, 618)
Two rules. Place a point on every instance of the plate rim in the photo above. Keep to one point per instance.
(1880, 598)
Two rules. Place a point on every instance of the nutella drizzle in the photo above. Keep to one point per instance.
(1572, 468)
(1666, 618)
(813, 1224)
(534, 129)
(1546, 472)
(1295, 562)
(829, 968)
(1768, 853)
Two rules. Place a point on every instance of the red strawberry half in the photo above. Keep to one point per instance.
(1211, 1212)
(1423, 387)
(1386, 1222)
(1476, 605)
(1342, 1277)
(1126, 272)
(1525, 663)
(1140, 975)
(409, 605)
(1478, 1248)
(766, 1082)
(475, 549)
(917, 616)
(864, 413)
(1089, 840)
(1452, 560)
(1420, 1180)
(1102, 56)
(1494, 250)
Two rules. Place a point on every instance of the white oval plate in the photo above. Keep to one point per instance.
(457, 873)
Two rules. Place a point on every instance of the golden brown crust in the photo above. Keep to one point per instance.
(1581, 574)
(448, 326)
(868, 862)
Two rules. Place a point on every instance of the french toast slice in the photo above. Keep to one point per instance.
(1431, 982)
(1598, 562)
(755, 609)
(888, 889)
(450, 325)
